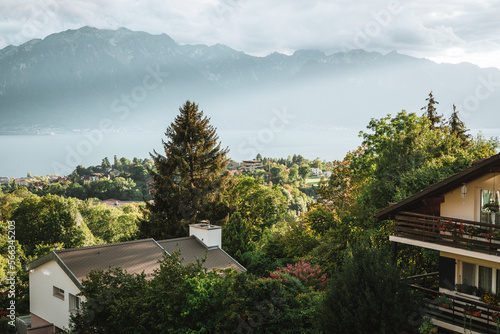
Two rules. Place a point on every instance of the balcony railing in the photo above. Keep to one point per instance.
(452, 232)
(456, 310)
(428, 281)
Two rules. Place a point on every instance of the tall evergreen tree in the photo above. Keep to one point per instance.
(188, 179)
(431, 113)
(457, 127)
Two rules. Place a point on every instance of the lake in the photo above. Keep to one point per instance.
(61, 153)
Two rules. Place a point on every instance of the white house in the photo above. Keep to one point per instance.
(95, 177)
(55, 279)
(316, 172)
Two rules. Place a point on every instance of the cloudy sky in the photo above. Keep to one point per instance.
(444, 31)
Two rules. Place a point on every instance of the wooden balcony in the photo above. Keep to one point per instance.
(451, 233)
(453, 311)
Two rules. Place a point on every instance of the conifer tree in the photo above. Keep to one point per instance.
(105, 163)
(367, 295)
(457, 127)
(237, 236)
(431, 113)
(188, 178)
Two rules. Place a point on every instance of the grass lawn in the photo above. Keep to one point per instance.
(313, 181)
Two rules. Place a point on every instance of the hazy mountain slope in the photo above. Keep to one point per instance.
(77, 78)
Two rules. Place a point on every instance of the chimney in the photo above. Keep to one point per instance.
(209, 235)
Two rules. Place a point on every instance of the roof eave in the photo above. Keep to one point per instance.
(239, 265)
(52, 256)
(441, 187)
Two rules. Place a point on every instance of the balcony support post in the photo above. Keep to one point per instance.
(394, 247)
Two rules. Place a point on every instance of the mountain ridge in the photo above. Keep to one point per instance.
(72, 79)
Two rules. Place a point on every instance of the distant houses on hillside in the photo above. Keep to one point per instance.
(236, 168)
(31, 181)
(251, 165)
(113, 171)
(95, 177)
(233, 165)
(316, 172)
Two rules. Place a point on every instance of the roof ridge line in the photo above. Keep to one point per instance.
(176, 239)
(102, 246)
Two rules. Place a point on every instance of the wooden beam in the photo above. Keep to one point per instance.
(495, 169)
(433, 200)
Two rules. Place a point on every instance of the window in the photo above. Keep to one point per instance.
(74, 303)
(485, 215)
(468, 273)
(485, 278)
(498, 280)
(57, 292)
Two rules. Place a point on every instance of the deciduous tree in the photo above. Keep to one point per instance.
(49, 220)
(304, 171)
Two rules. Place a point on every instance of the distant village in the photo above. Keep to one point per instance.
(233, 167)
(254, 165)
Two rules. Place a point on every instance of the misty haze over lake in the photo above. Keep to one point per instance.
(60, 154)
(78, 96)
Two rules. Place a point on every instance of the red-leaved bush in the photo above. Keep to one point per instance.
(302, 270)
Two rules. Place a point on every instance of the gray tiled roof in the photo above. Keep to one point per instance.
(192, 249)
(133, 256)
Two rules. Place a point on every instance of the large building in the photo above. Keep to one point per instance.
(457, 217)
(251, 165)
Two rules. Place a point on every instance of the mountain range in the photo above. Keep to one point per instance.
(87, 78)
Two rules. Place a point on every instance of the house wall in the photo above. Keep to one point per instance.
(43, 303)
(454, 206)
(460, 258)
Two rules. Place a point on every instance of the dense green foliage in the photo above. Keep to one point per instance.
(50, 220)
(237, 236)
(188, 299)
(400, 156)
(41, 223)
(124, 180)
(367, 295)
(256, 202)
(111, 224)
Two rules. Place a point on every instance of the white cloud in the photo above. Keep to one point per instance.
(460, 30)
